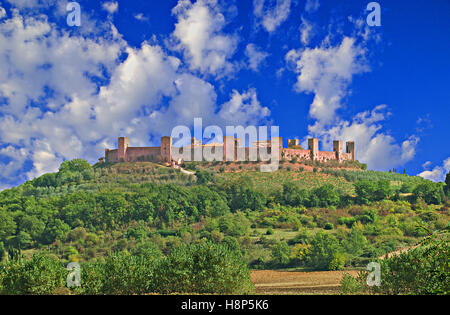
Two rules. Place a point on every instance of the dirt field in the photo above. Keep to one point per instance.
(297, 282)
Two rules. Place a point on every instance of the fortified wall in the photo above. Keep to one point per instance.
(231, 149)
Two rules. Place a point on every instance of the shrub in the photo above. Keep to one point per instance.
(431, 193)
(350, 285)
(338, 262)
(329, 226)
(422, 270)
(203, 268)
(324, 248)
(281, 253)
(42, 274)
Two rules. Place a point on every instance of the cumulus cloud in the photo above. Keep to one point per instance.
(255, 56)
(306, 31)
(30, 4)
(326, 72)
(373, 146)
(65, 97)
(271, 13)
(244, 109)
(438, 173)
(141, 17)
(2, 13)
(447, 164)
(312, 5)
(198, 34)
(111, 7)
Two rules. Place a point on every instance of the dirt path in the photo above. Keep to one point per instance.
(297, 282)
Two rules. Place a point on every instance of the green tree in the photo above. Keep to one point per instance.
(76, 165)
(292, 195)
(324, 248)
(355, 242)
(2, 251)
(32, 225)
(58, 230)
(203, 268)
(234, 224)
(324, 196)
(281, 253)
(431, 193)
(242, 195)
(447, 184)
(7, 225)
(42, 274)
(203, 177)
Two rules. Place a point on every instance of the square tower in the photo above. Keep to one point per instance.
(313, 147)
(338, 149)
(166, 149)
(292, 143)
(123, 144)
(337, 146)
(351, 149)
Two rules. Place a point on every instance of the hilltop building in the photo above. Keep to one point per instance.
(165, 152)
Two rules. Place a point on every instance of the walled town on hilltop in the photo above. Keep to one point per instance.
(231, 149)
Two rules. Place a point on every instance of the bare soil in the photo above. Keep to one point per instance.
(297, 282)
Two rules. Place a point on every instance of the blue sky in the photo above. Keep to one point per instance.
(139, 68)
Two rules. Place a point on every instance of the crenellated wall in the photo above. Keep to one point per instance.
(135, 154)
(296, 153)
(231, 150)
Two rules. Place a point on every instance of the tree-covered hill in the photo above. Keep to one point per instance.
(315, 217)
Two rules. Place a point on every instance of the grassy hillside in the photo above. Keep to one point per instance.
(313, 217)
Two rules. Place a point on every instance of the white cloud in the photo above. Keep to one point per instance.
(378, 149)
(447, 164)
(2, 13)
(438, 173)
(312, 5)
(52, 109)
(111, 7)
(255, 56)
(30, 4)
(306, 31)
(198, 34)
(271, 13)
(16, 158)
(244, 109)
(327, 72)
(35, 58)
(141, 17)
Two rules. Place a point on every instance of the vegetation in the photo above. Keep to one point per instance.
(422, 270)
(143, 228)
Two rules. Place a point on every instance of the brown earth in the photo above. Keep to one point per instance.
(297, 282)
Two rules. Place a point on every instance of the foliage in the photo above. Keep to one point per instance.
(324, 252)
(422, 270)
(204, 268)
(369, 191)
(281, 253)
(431, 193)
(40, 275)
